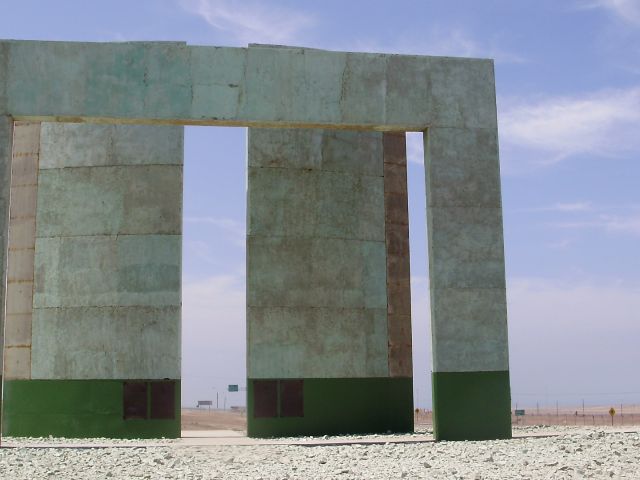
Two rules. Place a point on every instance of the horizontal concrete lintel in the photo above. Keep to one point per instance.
(256, 86)
(215, 122)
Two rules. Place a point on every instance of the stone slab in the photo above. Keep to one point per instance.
(24, 169)
(17, 362)
(316, 342)
(309, 272)
(20, 265)
(106, 342)
(19, 297)
(318, 204)
(123, 200)
(465, 247)
(22, 234)
(316, 149)
(87, 145)
(18, 330)
(23, 201)
(125, 270)
(463, 168)
(470, 330)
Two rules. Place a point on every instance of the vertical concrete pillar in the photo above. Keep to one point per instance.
(328, 310)
(93, 309)
(471, 395)
(396, 220)
(6, 140)
(21, 251)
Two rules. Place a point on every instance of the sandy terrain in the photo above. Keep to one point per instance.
(203, 419)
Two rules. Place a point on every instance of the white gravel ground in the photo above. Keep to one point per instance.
(575, 453)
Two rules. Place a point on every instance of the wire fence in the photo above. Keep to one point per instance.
(579, 419)
(598, 416)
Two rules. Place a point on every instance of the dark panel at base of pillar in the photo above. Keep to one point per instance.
(471, 405)
(334, 406)
(83, 409)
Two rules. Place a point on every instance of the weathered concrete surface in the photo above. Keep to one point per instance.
(316, 255)
(21, 250)
(129, 200)
(6, 137)
(107, 291)
(4, 78)
(280, 87)
(106, 342)
(328, 255)
(107, 270)
(258, 86)
(328, 300)
(288, 342)
(77, 145)
(466, 254)
(396, 221)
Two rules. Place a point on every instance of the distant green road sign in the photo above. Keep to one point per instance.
(233, 388)
(519, 413)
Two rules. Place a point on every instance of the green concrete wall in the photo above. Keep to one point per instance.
(78, 409)
(471, 405)
(335, 406)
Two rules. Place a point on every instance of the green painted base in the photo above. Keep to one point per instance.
(340, 406)
(471, 405)
(77, 409)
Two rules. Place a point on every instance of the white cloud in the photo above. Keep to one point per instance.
(569, 207)
(626, 10)
(251, 21)
(415, 147)
(200, 250)
(560, 244)
(548, 130)
(566, 337)
(572, 338)
(624, 224)
(421, 330)
(234, 229)
(574, 303)
(448, 42)
(213, 336)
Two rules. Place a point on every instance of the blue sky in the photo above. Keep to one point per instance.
(568, 85)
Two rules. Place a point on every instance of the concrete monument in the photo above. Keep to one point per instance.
(91, 237)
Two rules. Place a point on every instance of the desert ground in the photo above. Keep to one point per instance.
(536, 452)
(203, 419)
